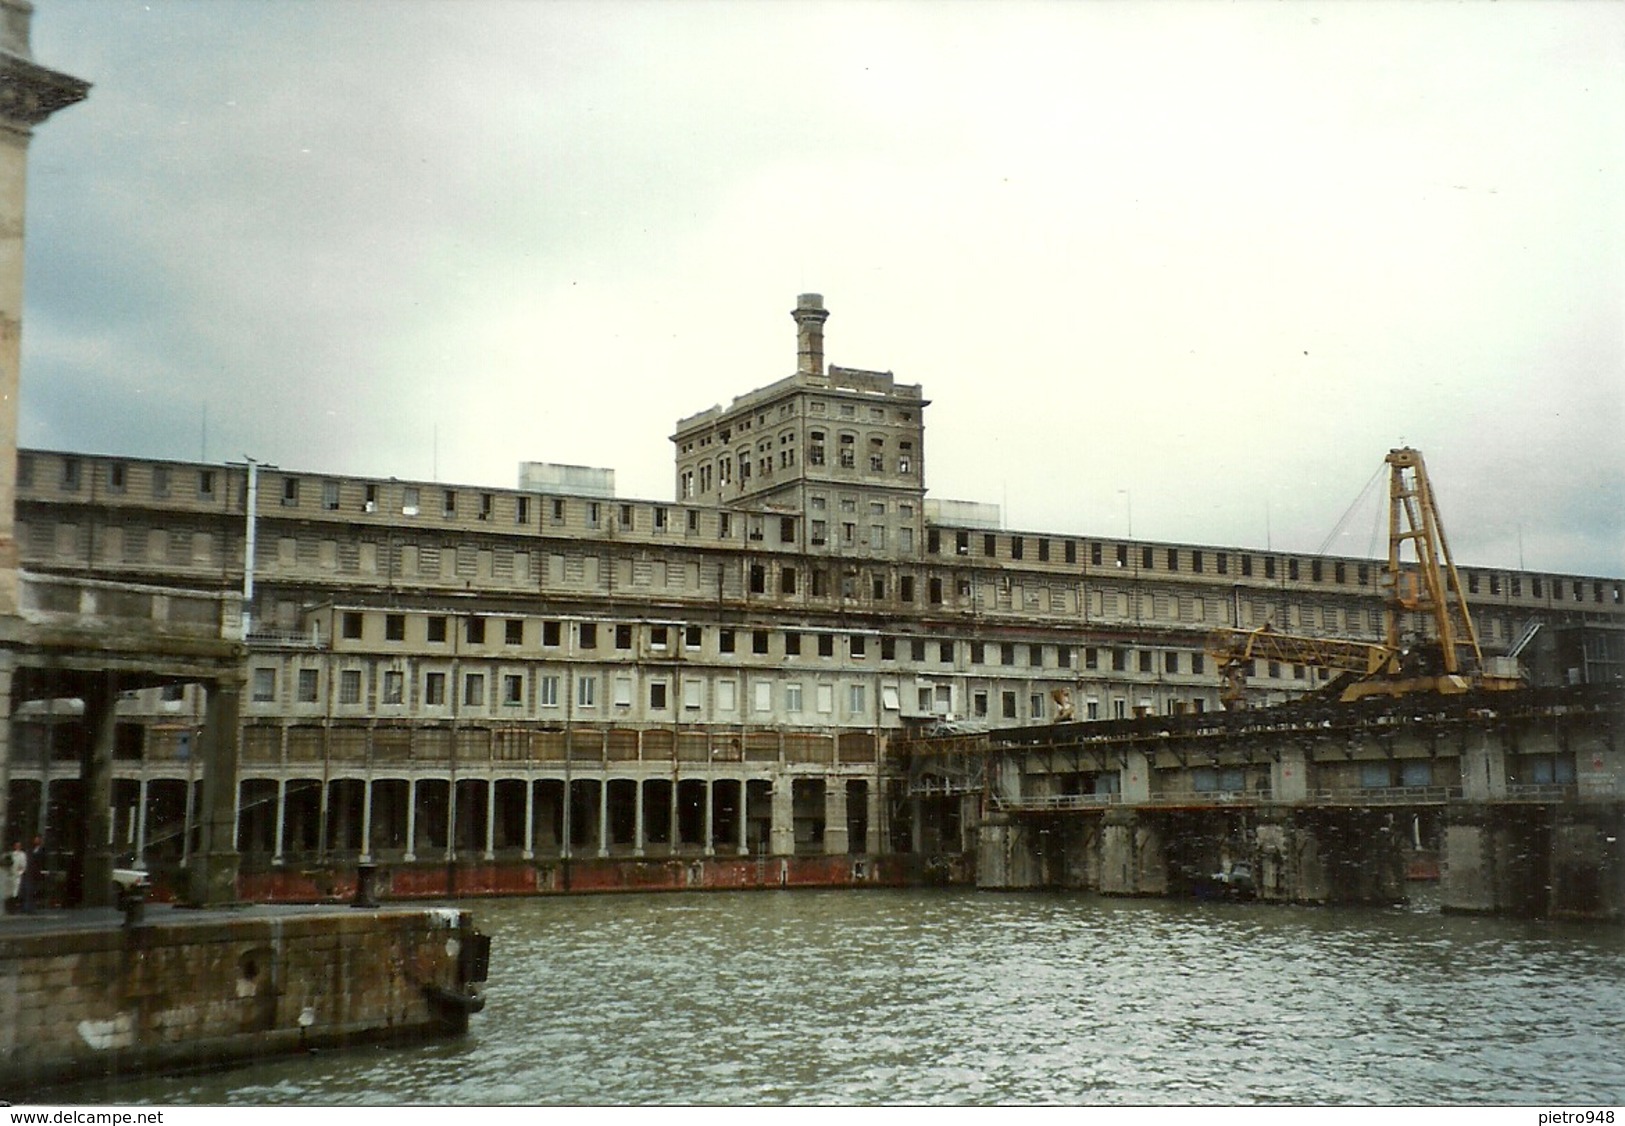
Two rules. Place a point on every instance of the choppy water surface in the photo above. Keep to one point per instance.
(961, 997)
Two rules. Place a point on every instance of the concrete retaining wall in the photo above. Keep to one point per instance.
(204, 988)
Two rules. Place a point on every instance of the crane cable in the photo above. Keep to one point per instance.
(1352, 508)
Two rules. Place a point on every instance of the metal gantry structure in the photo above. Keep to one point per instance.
(1429, 641)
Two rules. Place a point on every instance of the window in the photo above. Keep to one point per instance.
(1170, 661)
(657, 695)
(1145, 660)
(1035, 656)
(264, 685)
(725, 641)
(350, 686)
(116, 476)
(792, 643)
(513, 690)
(945, 652)
(434, 690)
(474, 690)
(858, 645)
(979, 704)
(513, 631)
(792, 696)
(692, 637)
(727, 695)
(758, 641)
(394, 627)
(1007, 705)
(550, 633)
(758, 578)
(826, 645)
(205, 484)
(547, 691)
(1035, 705)
(587, 635)
(856, 697)
(394, 687)
(693, 692)
(330, 495)
(449, 499)
(1007, 654)
(787, 580)
(623, 636)
(350, 625)
(290, 493)
(308, 683)
(436, 629)
(160, 478)
(474, 631)
(1018, 547)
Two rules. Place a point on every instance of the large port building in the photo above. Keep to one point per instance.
(513, 680)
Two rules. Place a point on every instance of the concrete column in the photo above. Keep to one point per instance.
(411, 822)
(451, 818)
(674, 838)
(1136, 778)
(874, 841)
(366, 822)
(744, 816)
(782, 831)
(835, 830)
(916, 825)
(564, 816)
(708, 846)
(7, 674)
(281, 820)
(214, 877)
(490, 818)
(1483, 767)
(33, 94)
(603, 815)
(1289, 778)
(637, 817)
(529, 851)
(141, 821)
(101, 714)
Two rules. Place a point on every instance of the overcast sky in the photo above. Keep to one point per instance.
(1202, 263)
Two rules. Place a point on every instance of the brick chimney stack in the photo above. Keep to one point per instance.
(810, 316)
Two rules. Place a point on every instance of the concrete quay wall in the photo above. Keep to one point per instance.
(192, 989)
(1542, 860)
(336, 882)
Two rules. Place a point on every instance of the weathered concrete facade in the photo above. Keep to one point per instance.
(80, 1002)
(453, 675)
(1315, 805)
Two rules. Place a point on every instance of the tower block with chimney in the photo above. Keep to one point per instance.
(840, 452)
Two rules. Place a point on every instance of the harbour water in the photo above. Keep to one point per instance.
(959, 997)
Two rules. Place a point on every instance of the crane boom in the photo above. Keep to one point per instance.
(1430, 643)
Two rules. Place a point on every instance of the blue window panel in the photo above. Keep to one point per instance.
(1416, 773)
(1375, 776)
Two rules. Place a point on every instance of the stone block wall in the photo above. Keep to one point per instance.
(77, 1003)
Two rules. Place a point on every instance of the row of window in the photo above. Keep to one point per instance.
(874, 452)
(207, 482)
(586, 636)
(510, 691)
(787, 410)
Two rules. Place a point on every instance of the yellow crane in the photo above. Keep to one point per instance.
(1441, 654)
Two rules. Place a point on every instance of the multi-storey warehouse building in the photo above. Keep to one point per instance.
(535, 686)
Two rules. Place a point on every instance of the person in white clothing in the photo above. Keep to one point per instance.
(13, 883)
